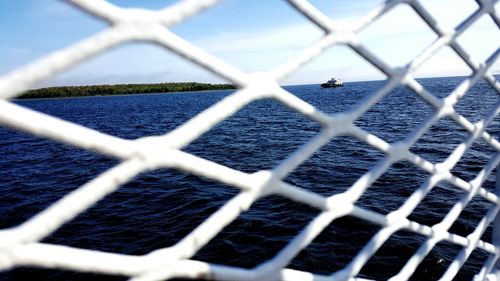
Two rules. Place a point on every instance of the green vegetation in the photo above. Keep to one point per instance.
(120, 89)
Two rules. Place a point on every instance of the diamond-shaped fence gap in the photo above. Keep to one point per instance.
(469, 218)
(436, 204)
(478, 102)
(328, 252)
(473, 265)
(484, 27)
(440, 140)
(436, 262)
(398, 36)
(473, 161)
(30, 273)
(242, 141)
(34, 173)
(150, 111)
(391, 190)
(250, 44)
(148, 213)
(133, 63)
(135, 115)
(54, 25)
(392, 256)
(271, 223)
(440, 10)
(336, 62)
(447, 65)
(393, 125)
(336, 166)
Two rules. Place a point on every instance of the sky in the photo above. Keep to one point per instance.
(253, 35)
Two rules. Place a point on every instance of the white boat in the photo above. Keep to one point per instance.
(334, 82)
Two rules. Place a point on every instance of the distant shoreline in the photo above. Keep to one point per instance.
(120, 89)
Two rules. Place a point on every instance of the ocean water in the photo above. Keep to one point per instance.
(159, 208)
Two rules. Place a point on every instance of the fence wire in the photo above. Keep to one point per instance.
(21, 246)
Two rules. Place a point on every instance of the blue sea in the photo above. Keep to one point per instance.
(158, 208)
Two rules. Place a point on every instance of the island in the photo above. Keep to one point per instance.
(120, 89)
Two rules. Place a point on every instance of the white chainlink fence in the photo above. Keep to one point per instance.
(20, 246)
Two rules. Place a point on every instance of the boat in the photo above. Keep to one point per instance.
(334, 82)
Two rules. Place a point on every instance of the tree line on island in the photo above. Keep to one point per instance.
(120, 89)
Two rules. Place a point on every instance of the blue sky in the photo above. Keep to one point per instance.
(252, 35)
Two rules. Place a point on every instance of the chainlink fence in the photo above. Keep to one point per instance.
(20, 246)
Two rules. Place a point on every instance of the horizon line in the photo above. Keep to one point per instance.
(221, 83)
